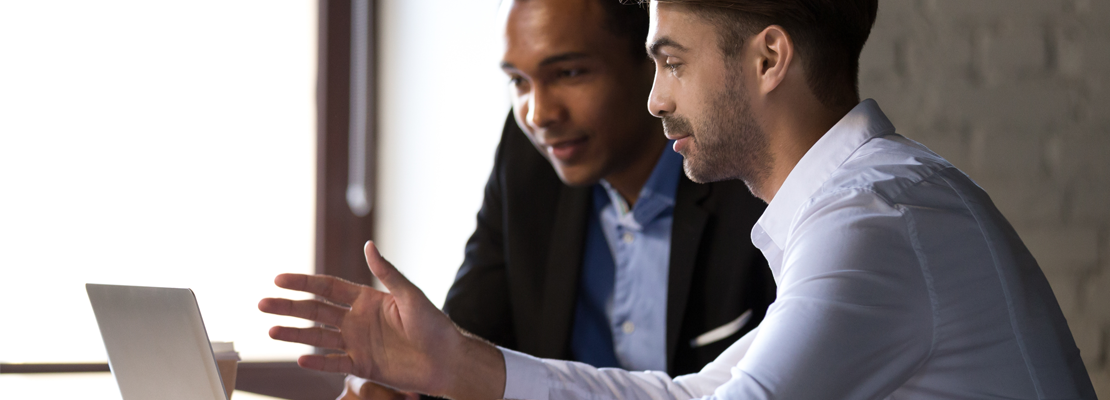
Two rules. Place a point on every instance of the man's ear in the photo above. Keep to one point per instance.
(774, 54)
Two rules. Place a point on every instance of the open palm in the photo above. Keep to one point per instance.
(399, 338)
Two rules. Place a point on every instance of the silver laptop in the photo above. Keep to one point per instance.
(156, 342)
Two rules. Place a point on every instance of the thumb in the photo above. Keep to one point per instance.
(393, 280)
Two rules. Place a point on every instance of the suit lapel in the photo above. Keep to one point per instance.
(686, 232)
(564, 262)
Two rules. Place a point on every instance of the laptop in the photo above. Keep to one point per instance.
(156, 342)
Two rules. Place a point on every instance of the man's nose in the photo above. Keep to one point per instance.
(660, 102)
(544, 108)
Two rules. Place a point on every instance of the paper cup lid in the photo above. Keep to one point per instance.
(224, 350)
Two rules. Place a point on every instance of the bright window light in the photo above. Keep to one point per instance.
(156, 143)
(443, 101)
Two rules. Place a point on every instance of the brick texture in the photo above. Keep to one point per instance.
(1017, 94)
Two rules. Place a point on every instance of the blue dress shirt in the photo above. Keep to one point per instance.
(620, 312)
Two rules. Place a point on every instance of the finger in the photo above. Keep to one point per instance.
(318, 337)
(328, 363)
(312, 310)
(329, 287)
(393, 280)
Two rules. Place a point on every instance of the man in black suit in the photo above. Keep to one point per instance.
(518, 283)
(553, 268)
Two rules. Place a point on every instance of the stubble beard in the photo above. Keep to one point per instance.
(727, 144)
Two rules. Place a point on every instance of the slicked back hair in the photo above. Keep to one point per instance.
(828, 35)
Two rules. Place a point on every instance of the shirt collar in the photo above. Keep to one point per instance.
(864, 122)
(658, 192)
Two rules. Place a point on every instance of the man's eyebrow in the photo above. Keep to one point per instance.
(552, 59)
(563, 57)
(654, 47)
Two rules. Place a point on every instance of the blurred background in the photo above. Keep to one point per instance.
(214, 144)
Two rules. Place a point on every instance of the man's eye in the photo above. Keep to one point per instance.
(570, 73)
(672, 64)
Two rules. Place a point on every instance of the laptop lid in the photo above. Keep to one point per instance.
(156, 342)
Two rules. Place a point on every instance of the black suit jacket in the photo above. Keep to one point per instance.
(518, 283)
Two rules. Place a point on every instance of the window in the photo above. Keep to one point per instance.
(437, 133)
(206, 145)
(159, 144)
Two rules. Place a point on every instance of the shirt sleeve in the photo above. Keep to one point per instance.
(853, 319)
(532, 378)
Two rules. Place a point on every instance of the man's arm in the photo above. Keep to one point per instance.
(853, 320)
(541, 379)
(401, 340)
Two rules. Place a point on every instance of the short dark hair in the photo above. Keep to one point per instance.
(829, 35)
(628, 22)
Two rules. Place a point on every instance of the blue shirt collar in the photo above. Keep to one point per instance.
(656, 196)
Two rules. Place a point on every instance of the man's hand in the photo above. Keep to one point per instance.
(399, 338)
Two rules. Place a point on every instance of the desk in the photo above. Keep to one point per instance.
(83, 385)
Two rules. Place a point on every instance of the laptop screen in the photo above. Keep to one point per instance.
(156, 342)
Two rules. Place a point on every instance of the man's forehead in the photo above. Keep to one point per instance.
(542, 28)
(672, 26)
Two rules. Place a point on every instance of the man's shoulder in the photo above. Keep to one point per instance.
(885, 166)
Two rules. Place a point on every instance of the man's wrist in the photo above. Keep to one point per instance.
(476, 372)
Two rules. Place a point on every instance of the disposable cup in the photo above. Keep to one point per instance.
(228, 361)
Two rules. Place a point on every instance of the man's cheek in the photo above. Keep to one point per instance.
(520, 114)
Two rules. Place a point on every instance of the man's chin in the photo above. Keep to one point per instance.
(577, 177)
(694, 171)
(700, 173)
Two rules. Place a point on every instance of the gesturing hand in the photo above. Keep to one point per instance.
(399, 338)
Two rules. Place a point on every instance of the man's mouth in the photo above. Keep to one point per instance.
(677, 129)
(680, 139)
(567, 149)
(682, 143)
(675, 135)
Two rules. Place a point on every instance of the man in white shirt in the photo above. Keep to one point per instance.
(897, 276)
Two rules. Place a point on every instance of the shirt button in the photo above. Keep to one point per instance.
(628, 237)
(628, 327)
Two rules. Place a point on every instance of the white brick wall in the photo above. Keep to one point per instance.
(1017, 94)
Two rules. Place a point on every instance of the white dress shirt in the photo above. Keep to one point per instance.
(897, 279)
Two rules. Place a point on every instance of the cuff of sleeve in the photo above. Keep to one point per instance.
(525, 376)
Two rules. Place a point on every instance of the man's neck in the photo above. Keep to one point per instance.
(791, 137)
(629, 181)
